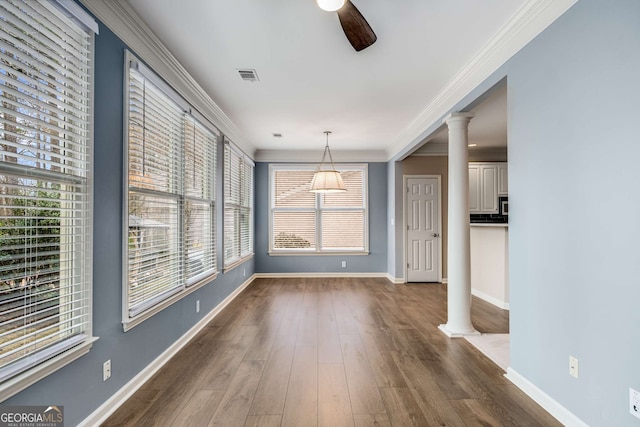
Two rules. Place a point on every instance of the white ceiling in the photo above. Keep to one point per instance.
(311, 79)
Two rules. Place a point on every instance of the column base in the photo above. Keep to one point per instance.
(457, 334)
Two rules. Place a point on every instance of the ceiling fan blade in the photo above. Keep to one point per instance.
(355, 27)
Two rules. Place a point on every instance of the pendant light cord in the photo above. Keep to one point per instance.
(324, 155)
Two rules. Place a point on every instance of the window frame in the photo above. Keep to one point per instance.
(39, 364)
(130, 316)
(318, 209)
(240, 207)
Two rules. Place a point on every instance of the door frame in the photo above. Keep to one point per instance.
(405, 222)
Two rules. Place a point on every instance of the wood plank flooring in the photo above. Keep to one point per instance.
(333, 352)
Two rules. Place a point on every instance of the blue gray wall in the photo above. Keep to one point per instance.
(395, 233)
(79, 386)
(375, 262)
(574, 145)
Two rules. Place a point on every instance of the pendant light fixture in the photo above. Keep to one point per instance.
(327, 180)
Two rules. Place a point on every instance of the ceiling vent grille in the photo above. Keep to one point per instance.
(248, 75)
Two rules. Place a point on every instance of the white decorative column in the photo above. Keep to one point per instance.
(459, 253)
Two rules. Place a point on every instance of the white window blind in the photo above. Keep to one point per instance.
(171, 194)
(305, 222)
(238, 206)
(45, 194)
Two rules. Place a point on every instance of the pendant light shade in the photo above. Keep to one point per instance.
(327, 180)
(330, 5)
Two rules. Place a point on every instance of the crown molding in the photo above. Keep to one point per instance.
(529, 21)
(125, 23)
(314, 156)
(432, 148)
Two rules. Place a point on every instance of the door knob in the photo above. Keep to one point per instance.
(435, 235)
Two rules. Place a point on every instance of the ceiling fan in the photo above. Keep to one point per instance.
(356, 28)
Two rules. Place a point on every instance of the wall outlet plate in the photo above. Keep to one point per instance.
(573, 366)
(197, 306)
(634, 402)
(106, 370)
(344, 264)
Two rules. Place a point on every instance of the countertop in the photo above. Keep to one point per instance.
(485, 224)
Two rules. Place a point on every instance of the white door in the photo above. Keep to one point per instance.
(423, 230)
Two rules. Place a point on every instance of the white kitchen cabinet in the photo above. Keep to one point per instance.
(474, 188)
(503, 179)
(489, 189)
(484, 182)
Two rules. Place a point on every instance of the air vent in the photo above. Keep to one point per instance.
(277, 135)
(248, 75)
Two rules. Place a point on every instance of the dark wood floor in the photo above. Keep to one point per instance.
(333, 352)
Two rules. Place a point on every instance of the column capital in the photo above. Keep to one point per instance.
(458, 117)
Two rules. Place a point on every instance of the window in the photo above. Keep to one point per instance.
(46, 59)
(171, 156)
(303, 222)
(238, 206)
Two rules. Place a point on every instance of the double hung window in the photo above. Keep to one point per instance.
(302, 222)
(238, 206)
(171, 160)
(46, 57)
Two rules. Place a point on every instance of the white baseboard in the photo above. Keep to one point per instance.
(395, 280)
(302, 275)
(457, 334)
(488, 298)
(105, 410)
(402, 280)
(558, 411)
(445, 280)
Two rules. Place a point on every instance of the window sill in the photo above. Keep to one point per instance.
(22, 381)
(236, 263)
(325, 253)
(132, 322)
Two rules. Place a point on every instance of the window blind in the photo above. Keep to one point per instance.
(294, 210)
(155, 185)
(302, 221)
(45, 193)
(343, 215)
(199, 209)
(238, 206)
(171, 194)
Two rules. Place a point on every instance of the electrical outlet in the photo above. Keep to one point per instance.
(106, 370)
(197, 306)
(573, 366)
(634, 402)
(344, 264)
(244, 272)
